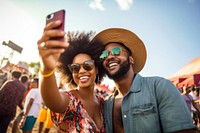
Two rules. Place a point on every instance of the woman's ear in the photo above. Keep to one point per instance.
(131, 59)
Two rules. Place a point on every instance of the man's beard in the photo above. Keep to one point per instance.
(124, 68)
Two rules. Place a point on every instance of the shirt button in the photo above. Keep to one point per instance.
(124, 116)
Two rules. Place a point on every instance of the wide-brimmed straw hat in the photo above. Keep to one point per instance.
(129, 39)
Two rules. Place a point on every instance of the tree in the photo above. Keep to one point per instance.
(34, 67)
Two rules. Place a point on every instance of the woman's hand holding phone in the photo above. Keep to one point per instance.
(52, 17)
(51, 45)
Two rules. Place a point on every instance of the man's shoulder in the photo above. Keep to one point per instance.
(35, 90)
(34, 93)
(193, 95)
(7, 84)
(156, 83)
(153, 80)
(20, 85)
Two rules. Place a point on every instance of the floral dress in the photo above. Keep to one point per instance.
(77, 118)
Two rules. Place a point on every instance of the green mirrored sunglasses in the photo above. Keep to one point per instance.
(114, 51)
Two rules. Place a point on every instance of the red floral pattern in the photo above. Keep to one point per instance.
(77, 118)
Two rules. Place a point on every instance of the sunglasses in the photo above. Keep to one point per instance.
(114, 51)
(87, 65)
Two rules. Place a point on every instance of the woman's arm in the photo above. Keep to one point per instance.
(50, 51)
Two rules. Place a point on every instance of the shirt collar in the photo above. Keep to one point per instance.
(135, 86)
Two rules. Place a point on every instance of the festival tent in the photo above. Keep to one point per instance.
(179, 80)
(9, 67)
(192, 80)
(186, 71)
(21, 66)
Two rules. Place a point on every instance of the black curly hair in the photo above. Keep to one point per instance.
(80, 43)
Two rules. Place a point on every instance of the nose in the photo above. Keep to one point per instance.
(82, 69)
(110, 55)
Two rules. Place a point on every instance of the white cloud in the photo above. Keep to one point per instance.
(96, 4)
(124, 4)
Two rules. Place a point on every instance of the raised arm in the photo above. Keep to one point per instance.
(50, 51)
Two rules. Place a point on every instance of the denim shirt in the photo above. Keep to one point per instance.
(153, 104)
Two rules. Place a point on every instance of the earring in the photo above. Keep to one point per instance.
(97, 79)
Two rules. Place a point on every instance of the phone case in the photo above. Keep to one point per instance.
(59, 15)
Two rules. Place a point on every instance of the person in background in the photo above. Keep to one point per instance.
(11, 96)
(146, 104)
(44, 119)
(32, 106)
(3, 77)
(77, 110)
(189, 100)
(29, 80)
(195, 113)
(25, 81)
(180, 90)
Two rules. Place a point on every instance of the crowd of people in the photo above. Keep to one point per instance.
(20, 91)
(23, 89)
(138, 104)
(191, 97)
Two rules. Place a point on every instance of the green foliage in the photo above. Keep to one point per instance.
(35, 67)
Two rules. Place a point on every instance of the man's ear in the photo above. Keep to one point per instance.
(131, 59)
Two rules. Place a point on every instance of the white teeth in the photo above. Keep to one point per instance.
(84, 77)
(112, 64)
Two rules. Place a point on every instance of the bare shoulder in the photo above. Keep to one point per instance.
(75, 92)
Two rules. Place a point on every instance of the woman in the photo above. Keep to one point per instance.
(78, 110)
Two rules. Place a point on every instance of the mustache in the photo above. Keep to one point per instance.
(113, 60)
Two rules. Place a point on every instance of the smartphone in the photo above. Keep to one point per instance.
(58, 15)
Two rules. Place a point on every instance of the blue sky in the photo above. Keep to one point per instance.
(170, 29)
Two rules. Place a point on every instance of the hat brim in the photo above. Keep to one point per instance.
(129, 39)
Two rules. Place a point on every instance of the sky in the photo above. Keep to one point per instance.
(170, 29)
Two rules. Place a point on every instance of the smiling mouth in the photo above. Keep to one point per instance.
(84, 78)
(113, 64)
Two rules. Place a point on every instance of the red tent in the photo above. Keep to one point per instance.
(188, 70)
(179, 80)
(192, 80)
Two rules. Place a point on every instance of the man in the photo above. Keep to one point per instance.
(44, 119)
(146, 104)
(25, 81)
(32, 105)
(11, 96)
(191, 99)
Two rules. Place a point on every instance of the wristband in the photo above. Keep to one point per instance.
(48, 74)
